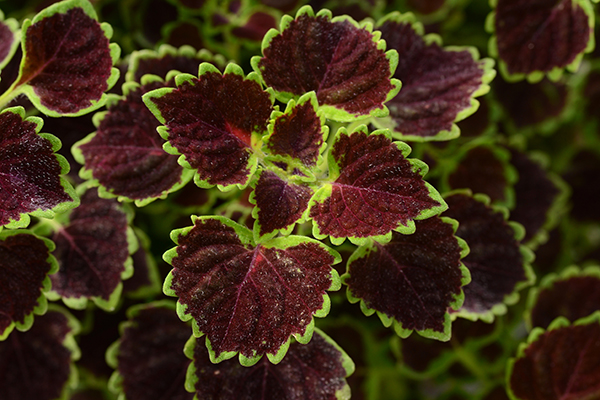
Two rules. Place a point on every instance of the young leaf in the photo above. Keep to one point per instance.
(499, 266)
(438, 85)
(279, 204)
(343, 62)
(246, 298)
(373, 189)
(30, 172)
(125, 154)
(213, 122)
(543, 37)
(316, 370)
(9, 39)
(93, 253)
(38, 364)
(558, 364)
(148, 357)
(573, 294)
(25, 262)
(67, 62)
(413, 280)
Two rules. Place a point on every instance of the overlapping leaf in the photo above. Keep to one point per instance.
(30, 171)
(125, 154)
(67, 62)
(212, 122)
(316, 370)
(343, 62)
(373, 189)
(25, 262)
(413, 280)
(93, 253)
(246, 298)
(558, 364)
(148, 357)
(9, 39)
(499, 265)
(543, 37)
(38, 364)
(438, 85)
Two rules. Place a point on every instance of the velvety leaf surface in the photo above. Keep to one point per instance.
(68, 60)
(126, 155)
(91, 250)
(210, 121)
(151, 364)
(37, 364)
(29, 170)
(541, 35)
(413, 279)
(334, 58)
(280, 204)
(25, 263)
(314, 371)
(560, 364)
(376, 189)
(248, 299)
(483, 171)
(574, 296)
(297, 134)
(535, 194)
(8, 39)
(495, 261)
(437, 84)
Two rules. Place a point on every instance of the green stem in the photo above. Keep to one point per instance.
(9, 95)
(470, 362)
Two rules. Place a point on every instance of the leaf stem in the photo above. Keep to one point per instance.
(470, 362)
(10, 94)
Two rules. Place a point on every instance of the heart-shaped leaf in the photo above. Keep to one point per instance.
(543, 37)
(67, 61)
(148, 357)
(213, 121)
(38, 364)
(9, 39)
(249, 298)
(30, 171)
(316, 370)
(438, 84)
(343, 62)
(125, 155)
(558, 364)
(499, 265)
(373, 189)
(93, 251)
(25, 262)
(413, 280)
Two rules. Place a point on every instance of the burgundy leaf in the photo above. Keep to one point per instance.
(426, 6)
(559, 364)
(145, 280)
(211, 120)
(485, 170)
(413, 279)
(126, 156)
(573, 294)
(376, 189)
(345, 65)
(8, 39)
(541, 36)
(249, 299)
(67, 64)
(498, 264)
(539, 196)
(30, 180)
(25, 263)
(438, 85)
(298, 133)
(280, 204)
(314, 371)
(255, 28)
(582, 174)
(92, 252)
(37, 364)
(149, 356)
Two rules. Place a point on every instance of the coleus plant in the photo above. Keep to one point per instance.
(289, 145)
